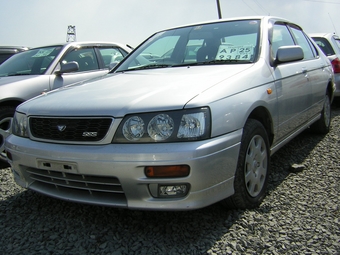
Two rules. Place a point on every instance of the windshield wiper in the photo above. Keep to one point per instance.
(150, 66)
(17, 74)
(211, 62)
(223, 61)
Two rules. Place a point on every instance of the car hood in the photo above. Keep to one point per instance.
(12, 79)
(119, 94)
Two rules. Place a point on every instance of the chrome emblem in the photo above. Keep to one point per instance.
(61, 128)
(90, 134)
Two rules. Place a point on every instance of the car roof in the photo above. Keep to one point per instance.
(12, 49)
(275, 18)
(326, 35)
(85, 43)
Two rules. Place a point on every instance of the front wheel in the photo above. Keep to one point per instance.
(251, 176)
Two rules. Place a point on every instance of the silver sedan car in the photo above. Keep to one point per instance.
(330, 45)
(39, 70)
(189, 118)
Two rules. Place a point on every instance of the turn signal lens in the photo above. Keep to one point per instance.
(167, 171)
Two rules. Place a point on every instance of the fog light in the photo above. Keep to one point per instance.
(172, 190)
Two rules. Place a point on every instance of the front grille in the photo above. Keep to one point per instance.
(105, 190)
(70, 129)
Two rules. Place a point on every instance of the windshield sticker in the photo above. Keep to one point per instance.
(43, 53)
(226, 52)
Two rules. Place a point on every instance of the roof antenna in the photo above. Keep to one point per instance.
(335, 32)
(219, 9)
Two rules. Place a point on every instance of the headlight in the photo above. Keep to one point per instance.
(161, 127)
(20, 125)
(170, 126)
(133, 128)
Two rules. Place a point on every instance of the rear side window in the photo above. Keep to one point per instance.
(111, 55)
(304, 43)
(337, 42)
(324, 45)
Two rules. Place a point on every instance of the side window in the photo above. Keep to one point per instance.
(312, 46)
(337, 42)
(111, 55)
(280, 37)
(85, 57)
(324, 45)
(304, 43)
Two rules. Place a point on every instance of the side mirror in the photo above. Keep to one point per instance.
(68, 68)
(289, 54)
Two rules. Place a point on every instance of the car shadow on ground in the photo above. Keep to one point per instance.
(3, 165)
(64, 224)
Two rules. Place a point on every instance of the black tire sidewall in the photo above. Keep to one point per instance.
(5, 112)
(327, 123)
(322, 126)
(242, 199)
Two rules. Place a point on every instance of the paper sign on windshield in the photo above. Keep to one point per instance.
(226, 52)
(43, 53)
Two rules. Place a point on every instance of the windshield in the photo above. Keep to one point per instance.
(34, 61)
(216, 43)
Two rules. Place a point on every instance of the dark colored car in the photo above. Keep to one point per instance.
(8, 51)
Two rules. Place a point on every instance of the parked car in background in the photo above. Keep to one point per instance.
(330, 45)
(7, 51)
(165, 130)
(39, 70)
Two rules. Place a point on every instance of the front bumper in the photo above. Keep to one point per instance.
(113, 174)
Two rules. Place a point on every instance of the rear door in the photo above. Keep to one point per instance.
(316, 74)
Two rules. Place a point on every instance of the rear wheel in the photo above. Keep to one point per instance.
(251, 177)
(6, 116)
(323, 124)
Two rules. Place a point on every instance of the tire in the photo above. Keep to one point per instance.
(6, 116)
(251, 176)
(322, 126)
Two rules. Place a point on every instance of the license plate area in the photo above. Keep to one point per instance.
(63, 166)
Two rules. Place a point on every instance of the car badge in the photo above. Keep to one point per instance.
(61, 128)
